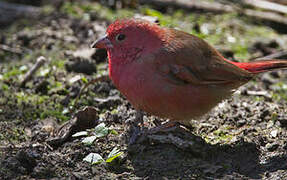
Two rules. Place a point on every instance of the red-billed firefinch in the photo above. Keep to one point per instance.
(170, 73)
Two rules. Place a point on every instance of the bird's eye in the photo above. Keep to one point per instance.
(120, 37)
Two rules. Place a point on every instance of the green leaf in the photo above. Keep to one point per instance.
(23, 68)
(84, 79)
(152, 12)
(4, 87)
(81, 133)
(113, 155)
(65, 111)
(89, 140)
(114, 132)
(101, 130)
(44, 72)
(93, 158)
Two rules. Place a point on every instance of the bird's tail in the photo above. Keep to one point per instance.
(262, 65)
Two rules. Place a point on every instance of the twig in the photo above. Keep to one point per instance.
(216, 7)
(23, 146)
(259, 93)
(19, 8)
(101, 78)
(270, 6)
(277, 55)
(39, 62)
(191, 5)
(266, 16)
(279, 1)
(10, 49)
(10, 11)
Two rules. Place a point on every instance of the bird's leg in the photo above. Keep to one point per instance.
(136, 127)
(139, 117)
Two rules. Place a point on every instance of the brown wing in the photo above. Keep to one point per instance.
(189, 59)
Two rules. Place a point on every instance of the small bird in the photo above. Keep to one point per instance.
(170, 73)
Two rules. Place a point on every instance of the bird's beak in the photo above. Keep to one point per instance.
(102, 43)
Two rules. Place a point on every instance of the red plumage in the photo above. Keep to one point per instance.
(170, 73)
(262, 65)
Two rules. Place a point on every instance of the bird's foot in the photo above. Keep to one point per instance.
(166, 127)
(139, 131)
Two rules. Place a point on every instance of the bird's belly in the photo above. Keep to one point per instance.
(155, 95)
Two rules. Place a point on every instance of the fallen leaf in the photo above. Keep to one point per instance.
(93, 158)
(113, 155)
(81, 133)
(89, 140)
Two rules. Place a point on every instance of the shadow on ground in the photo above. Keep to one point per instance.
(154, 159)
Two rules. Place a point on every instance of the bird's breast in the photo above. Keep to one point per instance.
(148, 90)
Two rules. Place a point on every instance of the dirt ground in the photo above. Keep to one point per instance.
(244, 137)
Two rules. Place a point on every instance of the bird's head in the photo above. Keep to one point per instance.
(128, 39)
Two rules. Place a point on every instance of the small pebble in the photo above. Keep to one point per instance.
(241, 122)
(274, 133)
(272, 146)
